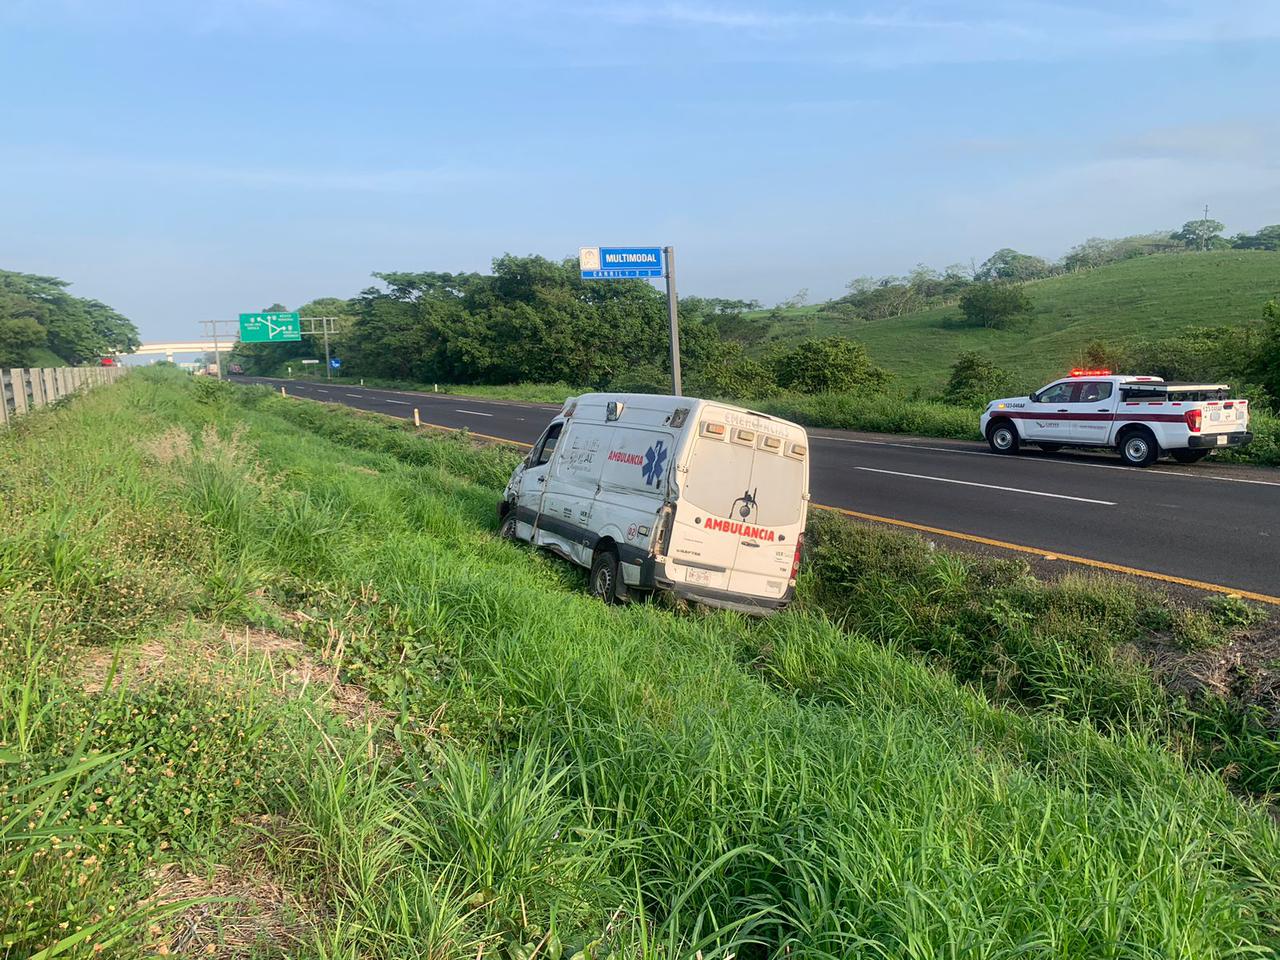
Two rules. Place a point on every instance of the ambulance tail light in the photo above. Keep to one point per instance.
(662, 536)
(1193, 418)
(795, 561)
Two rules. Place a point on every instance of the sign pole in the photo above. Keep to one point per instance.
(328, 370)
(669, 254)
(217, 353)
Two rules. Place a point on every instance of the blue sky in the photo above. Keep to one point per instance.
(188, 159)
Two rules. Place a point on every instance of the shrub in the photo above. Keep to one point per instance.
(828, 365)
(975, 379)
(994, 305)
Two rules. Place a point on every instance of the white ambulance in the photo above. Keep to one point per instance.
(651, 492)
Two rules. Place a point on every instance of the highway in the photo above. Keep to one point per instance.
(1211, 525)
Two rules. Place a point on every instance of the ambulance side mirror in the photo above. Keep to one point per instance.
(613, 411)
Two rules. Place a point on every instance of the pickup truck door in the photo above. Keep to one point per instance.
(1093, 407)
(1047, 417)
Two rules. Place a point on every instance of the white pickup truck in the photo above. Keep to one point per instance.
(1141, 417)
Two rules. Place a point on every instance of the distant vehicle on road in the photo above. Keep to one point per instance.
(702, 499)
(1141, 417)
(235, 369)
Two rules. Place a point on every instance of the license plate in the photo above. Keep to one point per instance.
(1222, 439)
(702, 577)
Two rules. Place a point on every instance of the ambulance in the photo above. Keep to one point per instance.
(702, 499)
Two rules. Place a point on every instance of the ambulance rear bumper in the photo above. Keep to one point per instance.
(728, 600)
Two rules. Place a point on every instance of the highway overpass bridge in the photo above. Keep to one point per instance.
(171, 348)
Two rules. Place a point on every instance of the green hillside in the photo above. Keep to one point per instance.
(1150, 297)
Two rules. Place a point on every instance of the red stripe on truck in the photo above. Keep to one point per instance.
(1103, 417)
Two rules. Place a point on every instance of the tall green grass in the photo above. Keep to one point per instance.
(556, 777)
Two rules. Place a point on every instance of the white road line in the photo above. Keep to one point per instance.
(403, 403)
(358, 396)
(474, 413)
(989, 486)
(1147, 471)
(322, 390)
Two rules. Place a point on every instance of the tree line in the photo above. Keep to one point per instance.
(887, 297)
(535, 320)
(38, 314)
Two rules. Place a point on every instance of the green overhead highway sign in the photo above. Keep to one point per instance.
(269, 327)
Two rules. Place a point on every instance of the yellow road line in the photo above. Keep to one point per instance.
(1055, 555)
(472, 433)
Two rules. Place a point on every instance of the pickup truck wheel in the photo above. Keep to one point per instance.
(1189, 456)
(1138, 448)
(1049, 447)
(1002, 437)
(606, 581)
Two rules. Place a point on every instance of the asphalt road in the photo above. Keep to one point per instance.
(1210, 522)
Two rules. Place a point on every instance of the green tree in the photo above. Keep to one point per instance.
(828, 365)
(975, 379)
(1104, 356)
(18, 337)
(995, 305)
(1009, 264)
(1265, 365)
(76, 329)
(1268, 238)
(1203, 234)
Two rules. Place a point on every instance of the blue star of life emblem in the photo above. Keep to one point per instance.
(655, 459)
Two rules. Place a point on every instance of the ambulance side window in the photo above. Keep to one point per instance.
(548, 447)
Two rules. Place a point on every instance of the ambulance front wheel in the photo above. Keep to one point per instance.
(508, 529)
(606, 579)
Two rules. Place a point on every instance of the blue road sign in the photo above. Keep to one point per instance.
(619, 263)
(335, 363)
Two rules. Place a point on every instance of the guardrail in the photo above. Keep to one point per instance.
(23, 390)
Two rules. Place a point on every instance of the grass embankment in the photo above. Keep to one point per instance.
(1142, 299)
(518, 392)
(526, 770)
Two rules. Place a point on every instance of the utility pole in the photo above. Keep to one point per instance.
(322, 327)
(211, 331)
(669, 256)
(1204, 237)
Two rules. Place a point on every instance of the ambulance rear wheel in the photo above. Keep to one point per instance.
(1002, 437)
(606, 579)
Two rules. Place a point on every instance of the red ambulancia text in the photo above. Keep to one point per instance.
(739, 529)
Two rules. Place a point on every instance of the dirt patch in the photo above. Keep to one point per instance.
(236, 913)
(1245, 671)
(151, 660)
(293, 669)
(296, 670)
